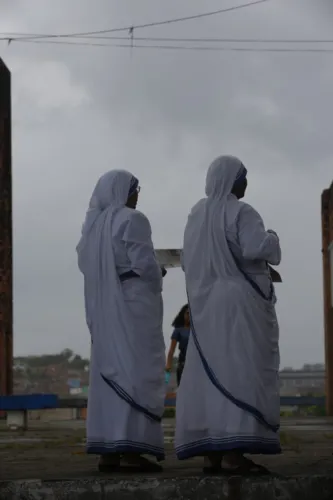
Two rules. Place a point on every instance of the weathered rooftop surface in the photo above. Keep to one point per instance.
(49, 462)
(303, 488)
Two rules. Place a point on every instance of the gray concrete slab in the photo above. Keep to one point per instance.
(191, 488)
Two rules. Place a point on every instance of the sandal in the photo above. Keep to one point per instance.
(137, 463)
(212, 470)
(212, 465)
(247, 468)
(108, 468)
(109, 463)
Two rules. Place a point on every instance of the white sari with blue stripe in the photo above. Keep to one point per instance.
(228, 398)
(126, 388)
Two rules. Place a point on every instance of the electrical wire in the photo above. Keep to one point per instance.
(96, 38)
(131, 28)
(181, 47)
(8, 36)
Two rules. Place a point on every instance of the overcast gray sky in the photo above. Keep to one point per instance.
(164, 115)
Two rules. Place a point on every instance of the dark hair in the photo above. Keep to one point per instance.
(179, 322)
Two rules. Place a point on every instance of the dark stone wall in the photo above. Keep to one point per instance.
(327, 242)
(6, 249)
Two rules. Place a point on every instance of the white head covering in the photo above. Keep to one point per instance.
(221, 176)
(111, 191)
(205, 229)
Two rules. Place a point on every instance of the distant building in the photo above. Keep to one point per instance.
(48, 378)
(309, 380)
(61, 378)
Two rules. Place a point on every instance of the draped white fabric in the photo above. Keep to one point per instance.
(229, 393)
(127, 390)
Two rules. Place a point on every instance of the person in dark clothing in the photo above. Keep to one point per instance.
(180, 336)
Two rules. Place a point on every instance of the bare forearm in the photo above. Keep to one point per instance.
(171, 354)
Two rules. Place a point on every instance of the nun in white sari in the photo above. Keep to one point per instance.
(228, 401)
(124, 313)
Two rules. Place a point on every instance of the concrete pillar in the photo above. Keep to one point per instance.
(17, 420)
(327, 242)
(6, 262)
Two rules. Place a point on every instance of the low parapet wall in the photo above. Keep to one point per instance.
(305, 488)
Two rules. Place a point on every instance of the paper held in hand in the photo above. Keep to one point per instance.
(169, 258)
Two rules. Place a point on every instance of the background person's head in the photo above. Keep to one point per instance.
(183, 318)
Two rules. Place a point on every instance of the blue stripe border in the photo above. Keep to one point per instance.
(124, 446)
(245, 444)
(237, 402)
(126, 397)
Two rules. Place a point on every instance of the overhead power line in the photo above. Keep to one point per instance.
(12, 37)
(208, 40)
(182, 47)
(131, 28)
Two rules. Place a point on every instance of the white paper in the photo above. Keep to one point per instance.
(168, 258)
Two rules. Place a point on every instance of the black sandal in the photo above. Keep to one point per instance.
(247, 468)
(139, 464)
(212, 465)
(212, 470)
(109, 466)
